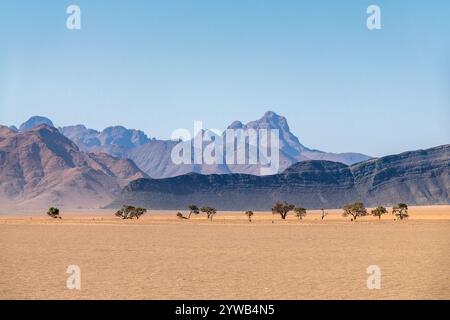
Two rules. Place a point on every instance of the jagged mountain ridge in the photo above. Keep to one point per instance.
(115, 140)
(153, 156)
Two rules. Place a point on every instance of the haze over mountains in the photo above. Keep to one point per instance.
(153, 156)
(418, 177)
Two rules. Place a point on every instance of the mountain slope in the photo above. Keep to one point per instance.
(40, 167)
(421, 177)
(417, 177)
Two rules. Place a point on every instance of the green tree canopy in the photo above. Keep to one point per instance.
(282, 208)
(193, 210)
(379, 211)
(210, 211)
(130, 212)
(356, 209)
(300, 212)
(401, 210)
(54, 213)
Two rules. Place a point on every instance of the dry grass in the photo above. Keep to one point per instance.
(162, 257)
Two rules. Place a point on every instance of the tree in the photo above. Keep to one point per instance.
(249, 214)
(180, 215)
(379, 211)
(282, 209)
(355, 210)
(193, 210)
(138, 212)
(130, 212)
(401, 210)
(300, 212)
(324, 213)
(54, 213)
(210, 211)
(124, 212)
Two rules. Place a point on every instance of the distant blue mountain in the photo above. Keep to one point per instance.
(153, 156)
(34, 122)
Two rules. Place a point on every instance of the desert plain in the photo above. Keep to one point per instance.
(162, 257)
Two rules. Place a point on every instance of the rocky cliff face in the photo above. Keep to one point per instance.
(418, 177)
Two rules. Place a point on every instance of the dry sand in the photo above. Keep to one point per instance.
(162, 257)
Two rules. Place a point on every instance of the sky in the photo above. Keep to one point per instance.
(160, 65)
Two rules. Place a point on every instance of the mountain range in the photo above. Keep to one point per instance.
(153, 156)
(418, 177)
(74, 166)
(40, 167)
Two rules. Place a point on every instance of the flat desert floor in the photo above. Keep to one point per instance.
(162, 257)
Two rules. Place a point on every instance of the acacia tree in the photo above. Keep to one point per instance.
(249, 214)
(324, 213)
(300, 212)
(379, 211)
(130, 212)
(282, 208)
(401, 210)
(137, 212)
(54, 213)
(355, 210)
(193, 210)
(210, 211)
(124, 212)
(180, 215)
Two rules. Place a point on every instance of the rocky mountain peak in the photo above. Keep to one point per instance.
(236, 125)
(270, 120)
(35, 121)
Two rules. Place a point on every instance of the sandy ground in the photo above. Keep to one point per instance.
(162, 257)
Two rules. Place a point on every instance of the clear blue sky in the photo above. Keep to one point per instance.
(160, 65)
